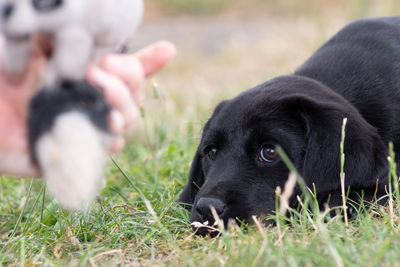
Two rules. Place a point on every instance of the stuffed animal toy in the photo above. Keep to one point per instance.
(68, 124)
(82, 31)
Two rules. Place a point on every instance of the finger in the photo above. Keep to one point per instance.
(117, 125)
(117, 122)
(135, 67)
(17, 165)
(130, 70)
(155, 56)
(116, 93)
(117, 145)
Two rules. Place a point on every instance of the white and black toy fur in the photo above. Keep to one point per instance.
(82, 31)
(68, 125)
(69, 141)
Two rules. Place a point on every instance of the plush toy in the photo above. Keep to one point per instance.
(82, 31)
(68, 123)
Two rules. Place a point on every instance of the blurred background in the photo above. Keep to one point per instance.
(227, 46)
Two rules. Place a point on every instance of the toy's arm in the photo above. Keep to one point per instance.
(73, 50)
(16, 53)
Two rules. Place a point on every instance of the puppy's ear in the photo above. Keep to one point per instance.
(196, 180)
(365, 152)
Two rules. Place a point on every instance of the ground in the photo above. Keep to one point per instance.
(224, 47)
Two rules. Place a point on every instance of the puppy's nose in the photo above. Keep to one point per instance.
(204, 204)
(7, 10)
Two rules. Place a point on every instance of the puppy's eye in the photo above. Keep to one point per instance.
(212, 152)
(268, 153)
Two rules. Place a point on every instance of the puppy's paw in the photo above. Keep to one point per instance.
(69, 141)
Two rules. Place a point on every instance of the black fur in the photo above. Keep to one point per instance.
(355, 75)
(48, 104)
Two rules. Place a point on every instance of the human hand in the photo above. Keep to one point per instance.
(15, 94)
(121, 78)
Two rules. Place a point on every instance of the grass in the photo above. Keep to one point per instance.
(136, 220)
(192, 6)
(357, 8)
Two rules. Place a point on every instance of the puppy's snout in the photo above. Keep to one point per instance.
(203, 207)
(7, 10)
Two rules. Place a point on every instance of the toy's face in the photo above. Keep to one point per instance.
(22, 17)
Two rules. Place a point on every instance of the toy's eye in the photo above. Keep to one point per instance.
(268, 153)
(212, 152)
(46, 5)
(7, 10)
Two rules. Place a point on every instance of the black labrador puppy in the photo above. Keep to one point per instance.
(355, 75)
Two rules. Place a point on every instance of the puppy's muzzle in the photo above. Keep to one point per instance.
(204, 206)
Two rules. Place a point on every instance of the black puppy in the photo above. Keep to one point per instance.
(355, 75)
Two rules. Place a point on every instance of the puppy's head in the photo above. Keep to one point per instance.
(237, 169)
